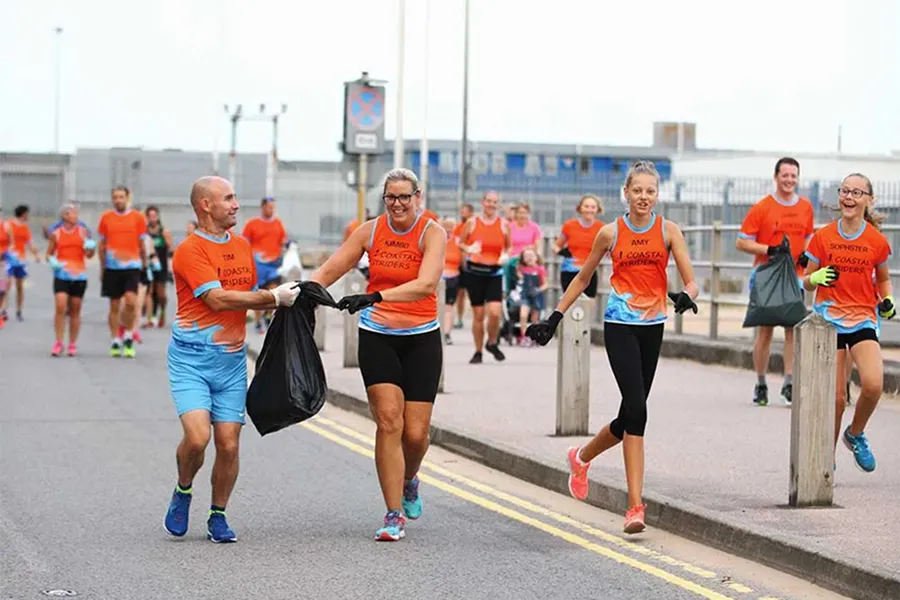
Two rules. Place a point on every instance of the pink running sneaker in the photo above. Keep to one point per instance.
(578, 479)
(634, 519)
(72, 350)
(136, 336)
(57, 348)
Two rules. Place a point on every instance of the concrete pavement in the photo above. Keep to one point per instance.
(86, 456)
(717, 465)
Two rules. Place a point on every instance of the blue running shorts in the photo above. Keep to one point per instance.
(207, 378)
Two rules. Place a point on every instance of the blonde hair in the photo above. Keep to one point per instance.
(400, 174)
(596, 200)
(872, 216)
(642, 167)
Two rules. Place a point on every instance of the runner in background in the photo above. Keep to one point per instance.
(20, 242)
(353, 225)
(400, 352)
(69, 247)
(576, 238)
(215, 284)
(268, 239)
(640, 244)
(465, 213)
(122, 232)
(161, 241)
(451, 276)
(843, 257)
(486, 242)
(766, 224)
(5, 241)
(523, 233)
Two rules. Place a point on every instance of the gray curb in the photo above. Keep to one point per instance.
(681, 518)
(739, 354)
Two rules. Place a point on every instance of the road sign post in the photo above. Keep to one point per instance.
(363, 129)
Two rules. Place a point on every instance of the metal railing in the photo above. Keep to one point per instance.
(715, 266)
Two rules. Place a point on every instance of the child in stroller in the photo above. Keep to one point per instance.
(525, 302)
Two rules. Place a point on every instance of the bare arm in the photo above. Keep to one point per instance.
(430, 271)
(167, 235)
(470, 227)
(751, 247)
(601, 246)
(101, 255)
(682, 259)
(220, 300)
(345, 258)
(51, 248)
(883, 277)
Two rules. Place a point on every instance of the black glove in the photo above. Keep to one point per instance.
(682, 302)
(357, 302)
(783, 248)
(564, 252)
(803, 261)
(543, 332)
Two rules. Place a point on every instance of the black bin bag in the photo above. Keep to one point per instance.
(289, 384)
(776, 298)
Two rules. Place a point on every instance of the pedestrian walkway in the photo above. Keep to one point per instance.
(709, 450)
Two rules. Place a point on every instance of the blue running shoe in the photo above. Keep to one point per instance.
(177, 516)
(217, 529)
(393, 528)
(859, 446)
(412, 503)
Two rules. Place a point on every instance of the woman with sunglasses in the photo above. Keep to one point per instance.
(400, 353)
(849, 273)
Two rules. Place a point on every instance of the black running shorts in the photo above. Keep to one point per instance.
(411, 362)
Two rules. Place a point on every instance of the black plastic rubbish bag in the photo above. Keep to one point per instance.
(289, 384)
(776, 298)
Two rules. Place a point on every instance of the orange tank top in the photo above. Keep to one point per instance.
(70, 251)
(639, 279)
(394, 259)
(4, 239)
(493, 241)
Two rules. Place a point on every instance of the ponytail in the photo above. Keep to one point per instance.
(874, 217)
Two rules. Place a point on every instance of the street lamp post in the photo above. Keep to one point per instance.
(401, 50)
(423, 147)
(464, 143)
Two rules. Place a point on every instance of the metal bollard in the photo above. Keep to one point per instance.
(354, 283)
(812, 413)
(573, 370)
(442, 310)
(321, 324)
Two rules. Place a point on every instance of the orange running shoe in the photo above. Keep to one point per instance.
(578, 479)
(634, 519)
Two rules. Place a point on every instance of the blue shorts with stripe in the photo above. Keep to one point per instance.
(206, 378)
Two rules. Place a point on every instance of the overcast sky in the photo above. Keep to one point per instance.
(761, 74)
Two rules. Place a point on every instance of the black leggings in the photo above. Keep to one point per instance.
(633, 352)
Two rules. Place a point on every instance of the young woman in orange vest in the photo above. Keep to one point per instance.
(639, 244)
(486, 241)
(400, 354)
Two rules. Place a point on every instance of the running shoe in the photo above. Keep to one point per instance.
(393, 529)
(578, 476)
(177, 516)
(448, 340)
(859, 446)
(259, 328)
(72, 350)
(217, 529)
(115, 350)
(476, 359)
(19, 316)
(494, 349)
(634, 519)
(137, 337)
(761, 394)
(57, 348)
(412, 502)
(128, 349)
(787, 394)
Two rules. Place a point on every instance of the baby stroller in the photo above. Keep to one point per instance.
(509, 328)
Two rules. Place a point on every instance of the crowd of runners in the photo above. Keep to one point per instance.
(492, 261)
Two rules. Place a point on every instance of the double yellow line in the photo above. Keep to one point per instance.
(339, 434)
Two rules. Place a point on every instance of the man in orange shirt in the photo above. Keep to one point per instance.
(123, 256)
(353, 225)
(465, 213)
(781, 214)
(215, 283)
(20, 241)
(268, 239)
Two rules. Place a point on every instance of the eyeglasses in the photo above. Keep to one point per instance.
(855, 193)
(402, 198)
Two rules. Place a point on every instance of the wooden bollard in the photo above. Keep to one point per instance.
(812, 413)
(442, 310)
(321, 323)
(573, 370)
(354, 283)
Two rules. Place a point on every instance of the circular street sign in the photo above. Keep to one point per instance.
(577, 313)
(365, 108)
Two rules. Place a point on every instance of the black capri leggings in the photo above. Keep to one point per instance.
(566, 277)
(633, 352)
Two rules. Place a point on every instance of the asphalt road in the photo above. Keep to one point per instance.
(87, 467)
